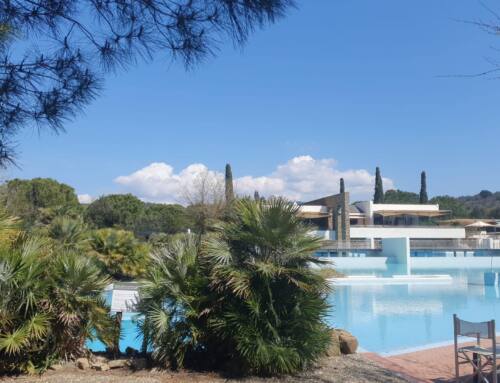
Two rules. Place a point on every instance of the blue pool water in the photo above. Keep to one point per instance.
(130, 335)
(393, 318)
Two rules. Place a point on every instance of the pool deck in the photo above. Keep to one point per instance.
(434, 365)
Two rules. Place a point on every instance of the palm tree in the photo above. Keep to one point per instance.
(23, 324)
(245, 298)
(274, 303)
(69, 233)
(51, 302)
(119, 253)
(175, 300)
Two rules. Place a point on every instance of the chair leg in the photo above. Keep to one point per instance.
(494, 378)
(477, 369)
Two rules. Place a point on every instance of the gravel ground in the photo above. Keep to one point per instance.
(345, 369)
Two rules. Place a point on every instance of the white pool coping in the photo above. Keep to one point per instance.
(417, 348)
(393, 280)
(461, 340)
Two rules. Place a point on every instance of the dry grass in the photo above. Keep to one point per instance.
(352, 369)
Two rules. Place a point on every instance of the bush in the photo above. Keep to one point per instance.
(175, 299)
(69, 233)
(245, 298)
(51, 303)
(119, 253)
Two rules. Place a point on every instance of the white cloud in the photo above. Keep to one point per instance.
(301, 178)
(85, 198)
(157, 182)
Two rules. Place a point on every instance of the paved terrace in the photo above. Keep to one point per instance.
(434, 365)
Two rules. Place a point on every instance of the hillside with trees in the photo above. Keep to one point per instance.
(485, 204)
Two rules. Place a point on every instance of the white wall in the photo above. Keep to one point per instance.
(367, 208)
(459, 262)
(328, 235)
(313, 209)
(432, 232)
(399, 250)
(404, 207)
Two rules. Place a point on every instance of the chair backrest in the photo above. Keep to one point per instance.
(478, 330)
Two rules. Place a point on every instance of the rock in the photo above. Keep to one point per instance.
(101, 367)
(82, 363)
(118, 363)
(334, 349)
(129, 351)
(348, 343)
(99, 359)
(56, 367)
(139, 363)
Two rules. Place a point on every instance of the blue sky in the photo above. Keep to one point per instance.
(357, 81)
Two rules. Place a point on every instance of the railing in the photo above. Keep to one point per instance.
(415, 244)
(455, 244)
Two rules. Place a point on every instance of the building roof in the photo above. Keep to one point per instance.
(313, 211)
(417, 213)
(480, 224)
(353, 209)
(466, 221)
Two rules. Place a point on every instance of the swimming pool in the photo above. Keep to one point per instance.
(389, 319)
(392, 318)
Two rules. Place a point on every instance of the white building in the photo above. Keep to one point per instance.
(367, 220)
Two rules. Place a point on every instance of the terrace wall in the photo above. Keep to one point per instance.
(422, 232)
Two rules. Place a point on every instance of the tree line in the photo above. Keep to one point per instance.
(40, 200)
(118, 231)
(485, 204)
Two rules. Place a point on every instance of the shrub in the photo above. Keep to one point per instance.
(51, 303)
(69, 233)
(119, 253)
(246, 298)
(175, 299)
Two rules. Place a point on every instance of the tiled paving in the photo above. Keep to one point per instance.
(435, 365)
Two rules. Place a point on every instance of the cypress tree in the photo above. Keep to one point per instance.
(423, 188)
(256, 196)
(342, 186)
(229, 184)
(378, 197)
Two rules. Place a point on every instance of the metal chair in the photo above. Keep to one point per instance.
(482, 359)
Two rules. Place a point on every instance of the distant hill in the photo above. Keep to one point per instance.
(485, 204)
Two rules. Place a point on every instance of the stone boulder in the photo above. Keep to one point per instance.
(82, 363)
(334, 349)
(342, 342)
(129, 351)
(348, 343)
(118, 363)
(101, 366)
(139, 363)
